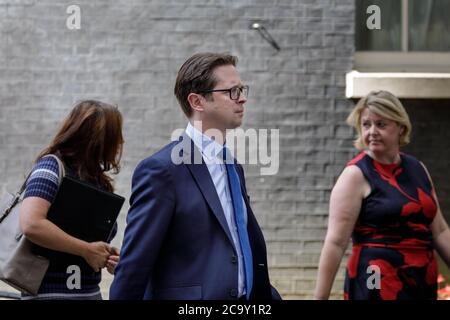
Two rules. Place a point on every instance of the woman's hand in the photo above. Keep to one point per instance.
(96, 254)
(113, 260)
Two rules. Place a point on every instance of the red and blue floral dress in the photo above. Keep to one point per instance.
(392, 256)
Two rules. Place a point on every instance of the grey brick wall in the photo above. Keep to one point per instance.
(128, 52)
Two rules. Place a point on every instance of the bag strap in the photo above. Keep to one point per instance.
(61, 174)
(16, 199)
(61, 169)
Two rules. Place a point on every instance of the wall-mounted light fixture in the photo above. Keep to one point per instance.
(265, 34)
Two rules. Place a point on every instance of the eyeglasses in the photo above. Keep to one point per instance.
(235, 92)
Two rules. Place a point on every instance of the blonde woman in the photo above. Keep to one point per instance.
(385, 201)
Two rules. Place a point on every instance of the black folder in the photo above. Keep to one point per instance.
(84, 211)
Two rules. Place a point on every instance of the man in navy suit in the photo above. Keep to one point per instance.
(191, 233)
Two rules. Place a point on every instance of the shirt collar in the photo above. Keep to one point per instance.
(210, 149)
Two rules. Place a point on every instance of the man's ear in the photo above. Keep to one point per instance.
(196, 101)
(402, 129)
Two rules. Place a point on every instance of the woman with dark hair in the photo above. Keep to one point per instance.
(89, 144)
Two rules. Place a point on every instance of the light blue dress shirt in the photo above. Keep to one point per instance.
(212, 156)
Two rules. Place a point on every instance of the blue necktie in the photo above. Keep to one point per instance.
(236, 196)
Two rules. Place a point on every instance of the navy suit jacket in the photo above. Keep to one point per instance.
(177, 245)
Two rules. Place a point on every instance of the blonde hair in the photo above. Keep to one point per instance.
(386, 105)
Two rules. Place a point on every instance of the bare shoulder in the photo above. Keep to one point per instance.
(352, 180)
(352, 173)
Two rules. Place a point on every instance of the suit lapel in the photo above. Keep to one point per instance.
(203, 179)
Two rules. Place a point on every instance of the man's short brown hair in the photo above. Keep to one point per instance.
(196, 75)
